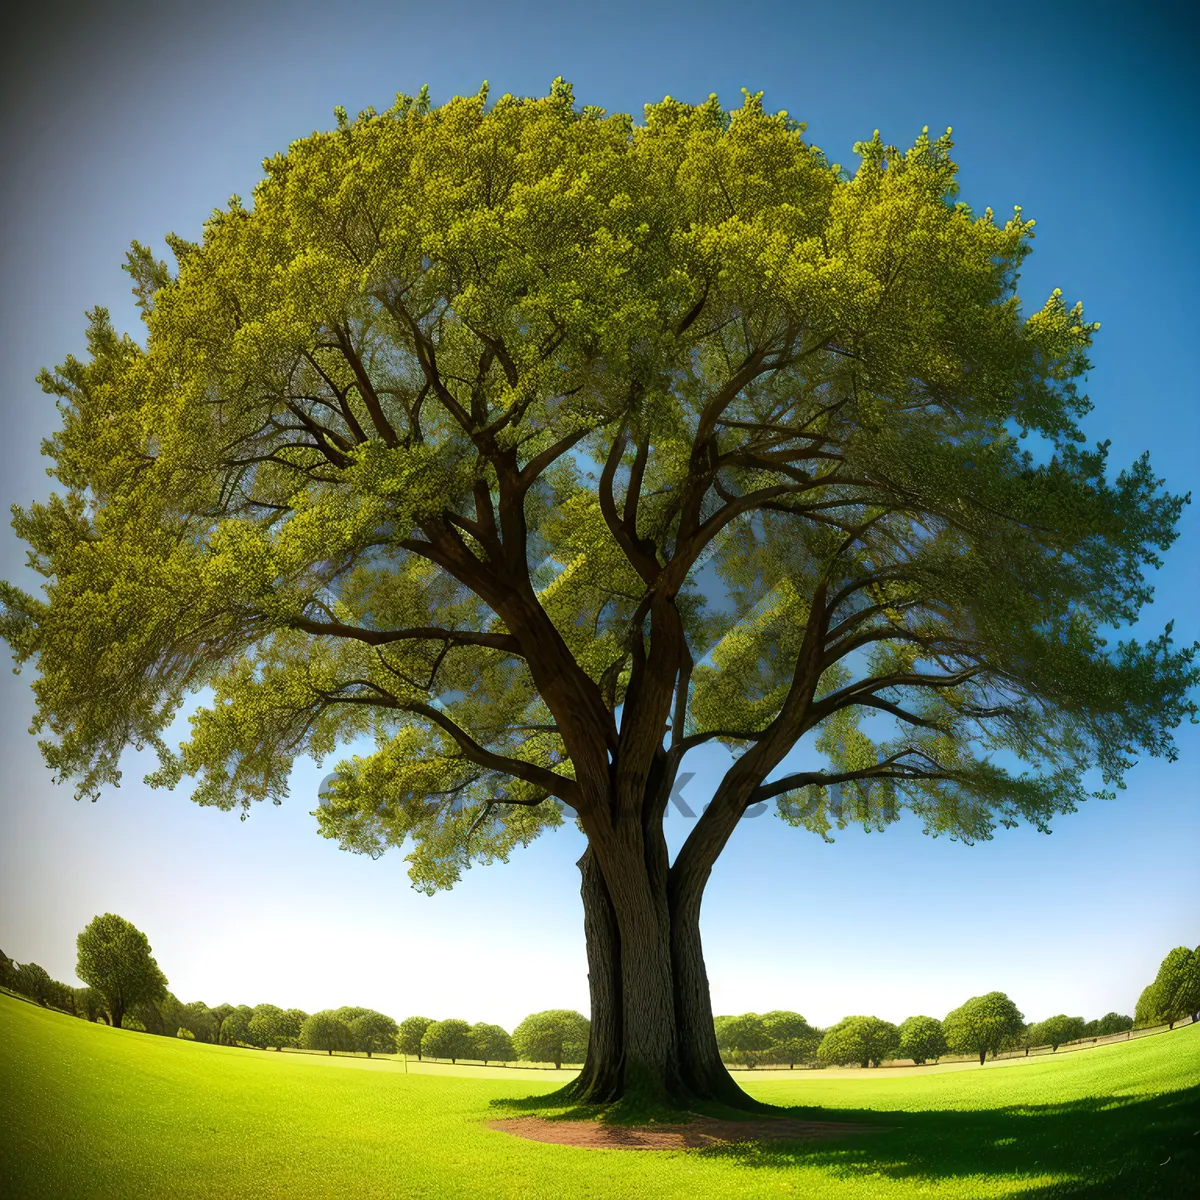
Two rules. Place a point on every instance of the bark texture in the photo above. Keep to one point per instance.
(652, 1039)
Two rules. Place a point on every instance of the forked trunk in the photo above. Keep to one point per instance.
(652, 1040)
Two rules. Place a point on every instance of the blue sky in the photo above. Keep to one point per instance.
(138, 122)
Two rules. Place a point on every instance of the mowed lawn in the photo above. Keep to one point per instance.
(88, 1111)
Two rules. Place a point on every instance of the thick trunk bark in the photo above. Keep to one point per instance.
(652, 1039)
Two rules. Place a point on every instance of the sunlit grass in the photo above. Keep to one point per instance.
(88, 1111)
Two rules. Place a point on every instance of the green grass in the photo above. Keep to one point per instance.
(88, 1111)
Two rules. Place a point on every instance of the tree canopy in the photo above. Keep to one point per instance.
(115, 960)
(448, 1039)
(1175, 992)
(742, 1039)
(373, 1032)
(430, 445)
(1053, 1031)
(982, 1024)
(1113, 1022)
(866, 1041)
(410, 1032)
(921, 1039)
(325, 1031)
(491, 1043)
(557, 1035)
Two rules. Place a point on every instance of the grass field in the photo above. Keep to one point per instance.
(89, 1111)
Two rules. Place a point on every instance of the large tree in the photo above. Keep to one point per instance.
(441, 442)
(114, 959)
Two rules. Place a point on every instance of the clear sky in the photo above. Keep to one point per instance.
(139, 119)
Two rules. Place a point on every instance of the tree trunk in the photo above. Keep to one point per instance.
(116, 1016)
(982, 1056)
(652, 1039)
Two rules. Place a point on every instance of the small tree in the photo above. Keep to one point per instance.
(1113, 1022)
(115, 959)
(1054, 1031)
(793, 1039)
(556, 1036)
(742, 1039)
(411, 1031)
(185, 1033)
(373, 1032)
(982, 1024)
(32, 981)
(448, 1039)
(325, 1031)
(921, 1039)
(491, 1043)
(863, 1040)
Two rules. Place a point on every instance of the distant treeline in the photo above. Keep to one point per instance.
(989, 1024)
(125, 986)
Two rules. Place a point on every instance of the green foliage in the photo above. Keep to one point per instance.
(1054, 1031)
(325, 1031)
(32, 980)
(1146, 1012)
(983, 1024)
(8, 971)
(271, 1026)
(558, 1035)
(186, 1034)
(793, 1039)
(373, 1032)
(235, 1029)
(491, 1043)
(866, 1041)
(115, 960)
(1113, 1022)
(1176, 987)
(368, 402)
(921, 1039)
(87, 1003)
(742, 1039)
(410, 1033)
(448, 1039)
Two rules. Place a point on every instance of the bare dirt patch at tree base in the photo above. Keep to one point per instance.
(703, 1131)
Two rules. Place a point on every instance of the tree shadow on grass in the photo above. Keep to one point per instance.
(1125, 1148)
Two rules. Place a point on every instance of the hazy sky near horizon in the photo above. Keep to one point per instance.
(134, 122)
